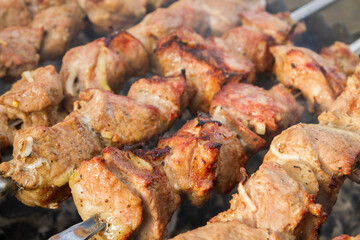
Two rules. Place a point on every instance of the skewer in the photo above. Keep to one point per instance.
(82, 231)
(6, 186)
(310, 8)
(355, 47)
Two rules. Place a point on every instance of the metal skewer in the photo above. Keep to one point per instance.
(310, 8)
(355, 47)
(6, 186)
(81, 231)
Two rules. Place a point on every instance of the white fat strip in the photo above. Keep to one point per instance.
(28, 76)
(281, 156)
(29, 141)
(39, 162)
(71, 78)
(158, 102)
(246, 198)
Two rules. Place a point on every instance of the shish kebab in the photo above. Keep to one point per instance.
(75, 65)
(240, 226)
(137, 192)
(115, 165)
(97, 54)
(295, 188)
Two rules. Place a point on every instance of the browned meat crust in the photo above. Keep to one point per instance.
(298, 181)
(346, 237)
(61, 25)
(204, 16)
(342, 57)
(103, 64)
(206, 68)
(45, 157)
(13, 13)
(231, 230)
(252, 43)
(266, 112)
(35, 97)
(6, 132)
(317, 78)
(97, 190)
(138, 175)
(280, 27)
(19, 48)
(36, 6)
(203, 156)
(124, 120)
(345, 112)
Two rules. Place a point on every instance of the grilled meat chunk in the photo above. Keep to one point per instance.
(45, 157)
(234, 230)
(252, 43)
(317, 78)
(146, 112)
(298, 181)
(61, 25)
(271, 200)
(97, 190)
(36, 6)
(35, 98)
(149, 188)
(111, 15)
(342, 57)
(203, 156)
(204, 16)
(206, 69)
(6, 131)
(345, 112)
(266, 112)
(19, 48)
(13, 13)
(150, 183)
(280, 27)
(346, 237)
(103, 64)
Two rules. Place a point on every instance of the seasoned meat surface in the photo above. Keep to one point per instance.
(346, 237)
(124, 120)
(234, 230)
(280, 27)
(103, 64)
(252, 43)
(317, 78)
(329, 152)
(44, 159)
(13, 13)
(6, 131)
(61, 25)
(270, 199)
(204, 16)
(266, 112)
(345, 112)
(203, 156)
(110, 15)
(206, 69)
(35, 97)
(150, 183)
(97, 190)
(19, 48)
(36, 6)
(342, 57)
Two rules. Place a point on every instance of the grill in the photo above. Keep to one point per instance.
(18, 221)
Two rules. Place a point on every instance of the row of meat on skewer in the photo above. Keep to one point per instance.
(208, 152)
